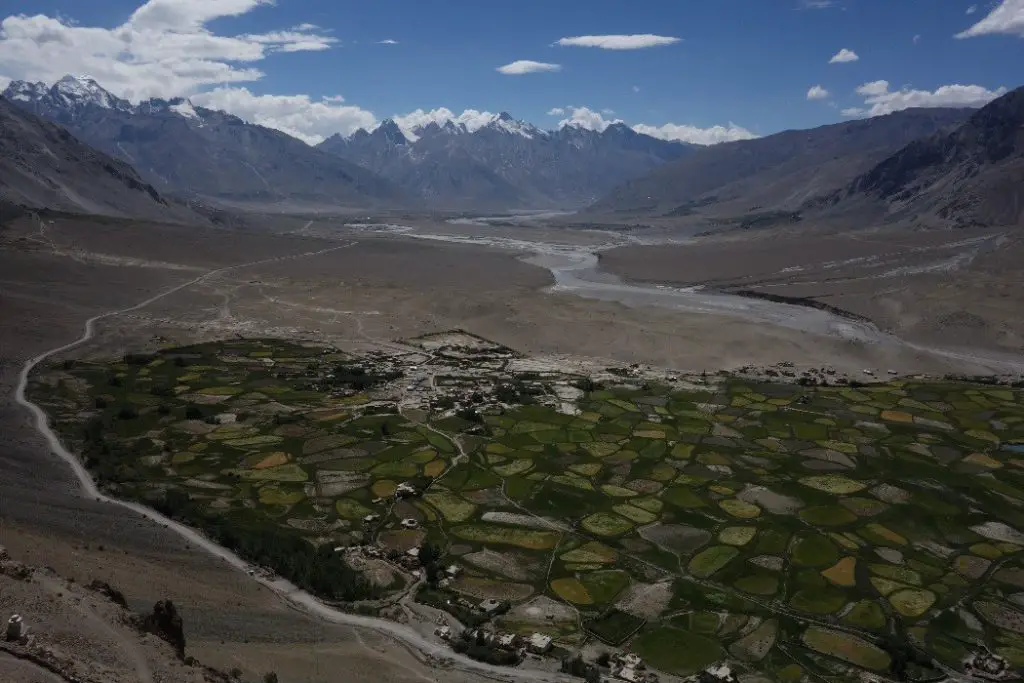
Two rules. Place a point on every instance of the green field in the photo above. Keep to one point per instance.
(735, 518)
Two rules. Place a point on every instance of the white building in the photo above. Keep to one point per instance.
(539, 643)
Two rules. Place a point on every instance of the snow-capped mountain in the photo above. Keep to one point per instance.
(477, 162)
(187, 150)
(504, 163)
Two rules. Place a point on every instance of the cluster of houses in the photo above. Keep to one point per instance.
(538, 643)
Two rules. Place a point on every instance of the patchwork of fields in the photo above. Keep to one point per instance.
(792, 530)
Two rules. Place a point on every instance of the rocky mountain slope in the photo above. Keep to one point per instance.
(74, 633)
(505, 163)
(776, 173)
(196, 152)
(43, 166)
(971, 176)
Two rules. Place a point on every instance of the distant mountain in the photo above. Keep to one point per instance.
(43, 166)
(196, 152)
(971, 176)
(505, 163)
(777, 173)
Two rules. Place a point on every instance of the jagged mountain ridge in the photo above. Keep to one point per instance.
(779, 172)
(505, 163)
(196, 152)
(973, 175)
(43, 166)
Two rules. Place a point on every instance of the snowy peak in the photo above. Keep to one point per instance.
(391, 133)
(23, 91)
(504, 123)
(82, 90)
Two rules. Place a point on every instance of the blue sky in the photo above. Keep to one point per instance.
(749, 63)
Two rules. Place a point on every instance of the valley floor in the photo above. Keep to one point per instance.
(366, 292)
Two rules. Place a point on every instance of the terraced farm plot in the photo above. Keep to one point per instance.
(766, 510)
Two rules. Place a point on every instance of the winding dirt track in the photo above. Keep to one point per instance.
(291, 594)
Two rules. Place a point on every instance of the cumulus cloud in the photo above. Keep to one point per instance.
(387, 41)
(972, 9)
(556, 111)
(584, 117)
(1007, 19)
(618, 42)
(844, 56)
(696, 135)
(470, 118)
(817, 93)
(297, 115)
(164, 49)
(527, 66)
(880, 100)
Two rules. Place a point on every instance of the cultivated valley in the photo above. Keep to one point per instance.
(292, 393)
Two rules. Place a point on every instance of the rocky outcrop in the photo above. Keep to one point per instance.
(110, 592)
(165, 623)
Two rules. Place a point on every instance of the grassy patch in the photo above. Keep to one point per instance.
(605, 586)
(502, 535)
(606, 524)
(592, 552)
(452, 507)
(614, 626)
(571, 590)
(847, 648)
(676, 651)
(707, 562)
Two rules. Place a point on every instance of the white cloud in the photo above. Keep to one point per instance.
(556, 111)
(1007, 18)
(879, 99)
(296, 115)
(471, 118)
(844, 56)
(817, 4)
(163, 50)
(636, 88)
(694, 135)
(853, 111)
(873, 89)
(618, 42)
(916, 39)
(4, 82)
(584, 117)
(972, 9)
(817, 93)
(388, 41)
(527, 66)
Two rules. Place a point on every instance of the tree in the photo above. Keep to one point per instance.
(270, 677)
(604, 659)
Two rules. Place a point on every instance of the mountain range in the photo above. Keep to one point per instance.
(505, 163)
(43, 166)
(192, 151)
(928, 166)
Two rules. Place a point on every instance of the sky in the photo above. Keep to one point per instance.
(702, 71)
